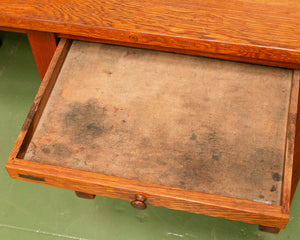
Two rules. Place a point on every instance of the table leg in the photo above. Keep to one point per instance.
(269, 229)
(43, 46)
(84, 195)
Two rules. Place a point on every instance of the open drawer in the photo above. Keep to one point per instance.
(195, 134)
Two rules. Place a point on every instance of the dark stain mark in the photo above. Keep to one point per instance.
(45, 150)
(214, 144)
(201, 158)
(107, 72)
(273, 188)
(61, 150)
(83, 122)
(145, 142)
(193, 137)
(261, 196)
(215, 157)
(260, 160)
(276, 177)
(91, 126)
(265, 156)
(124, 121)
(54, 151)
(182, 183)
(58, 149)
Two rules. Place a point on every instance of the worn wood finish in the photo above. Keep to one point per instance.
(7, 29)
(290, 144)
(186, 51)
(157, 195)
(40, 100)
(43, 47)
(296, 163)
(243, 29)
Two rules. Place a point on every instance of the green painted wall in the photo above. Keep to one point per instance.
(36, 212)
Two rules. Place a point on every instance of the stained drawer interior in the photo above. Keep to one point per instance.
(182, 121)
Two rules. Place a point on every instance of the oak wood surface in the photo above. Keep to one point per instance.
(157, 195)
(267, 62)
(8, 29)
(40, 100)
(290, 143)
(262, 30)
(43, 46)
(296, 162)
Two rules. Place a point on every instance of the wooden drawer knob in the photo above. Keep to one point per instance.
(139, 202)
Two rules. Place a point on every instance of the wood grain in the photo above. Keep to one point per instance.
(290, 143)
(157, 195)
(43, 46)
(187, 51)
(234, 28)
(8, 29)
(296, 162)
(40, 100)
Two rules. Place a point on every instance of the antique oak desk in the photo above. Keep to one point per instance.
(173, 126)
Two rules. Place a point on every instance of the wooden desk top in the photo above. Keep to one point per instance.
(237, 29)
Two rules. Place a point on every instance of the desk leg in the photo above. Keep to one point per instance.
(43, 46)
(84, 195)
(269, 229)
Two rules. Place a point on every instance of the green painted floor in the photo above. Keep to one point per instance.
(32, 211)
